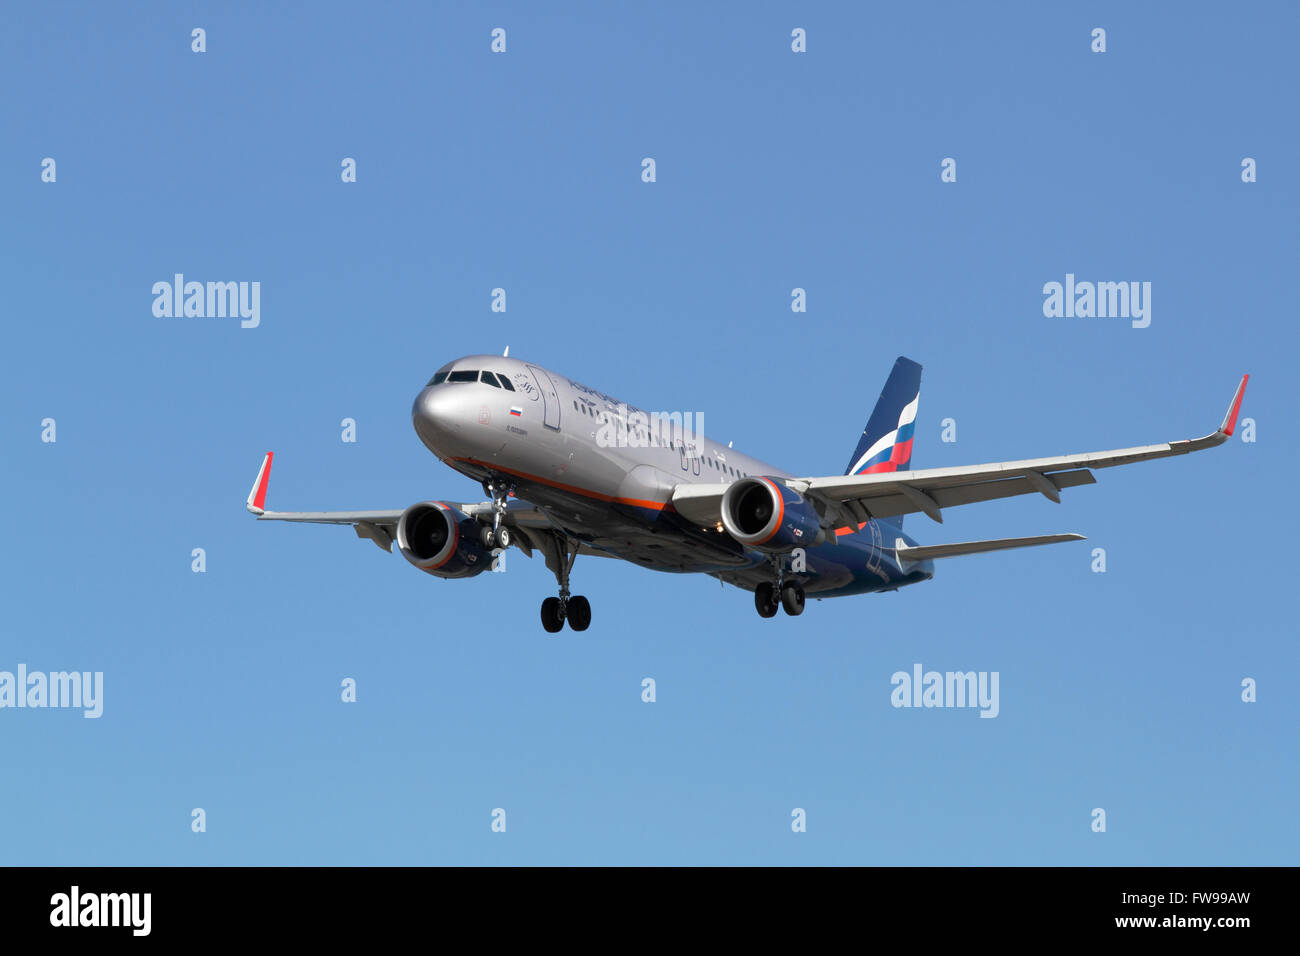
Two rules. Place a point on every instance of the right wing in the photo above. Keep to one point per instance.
(381, 526)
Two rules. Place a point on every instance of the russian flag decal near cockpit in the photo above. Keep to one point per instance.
(516, 411)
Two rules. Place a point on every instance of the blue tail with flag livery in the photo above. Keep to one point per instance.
(886, 443)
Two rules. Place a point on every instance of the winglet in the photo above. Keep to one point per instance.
(257, 497)
(1230, 420)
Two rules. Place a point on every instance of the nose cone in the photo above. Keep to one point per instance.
(436, 420)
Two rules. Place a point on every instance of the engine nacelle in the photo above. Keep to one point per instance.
(442, 541)
(765, 514)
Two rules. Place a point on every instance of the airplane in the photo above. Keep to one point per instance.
(570, 471)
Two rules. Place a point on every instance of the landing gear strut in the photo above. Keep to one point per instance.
(498, 535)
(556, 610)
(769, 596)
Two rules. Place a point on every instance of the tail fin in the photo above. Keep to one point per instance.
(886, 443)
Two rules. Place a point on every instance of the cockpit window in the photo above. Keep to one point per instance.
(495, 379)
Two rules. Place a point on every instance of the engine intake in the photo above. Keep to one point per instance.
(441, 540)
(764, 514)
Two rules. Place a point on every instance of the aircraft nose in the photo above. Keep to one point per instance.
(435, 418)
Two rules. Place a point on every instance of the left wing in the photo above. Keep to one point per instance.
(852, 499)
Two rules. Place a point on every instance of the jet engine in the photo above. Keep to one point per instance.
(764, 514)
(442, 541)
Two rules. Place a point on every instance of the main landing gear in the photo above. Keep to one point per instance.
(497, 536)
(768, 597)
(556, 610)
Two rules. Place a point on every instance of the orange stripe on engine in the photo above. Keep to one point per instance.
(780, 499)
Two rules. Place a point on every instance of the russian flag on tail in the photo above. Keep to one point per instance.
(886, 443)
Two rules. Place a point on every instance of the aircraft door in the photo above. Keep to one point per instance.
(550, 397)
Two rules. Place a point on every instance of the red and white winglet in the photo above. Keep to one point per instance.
(257, 497)
(1230, 419)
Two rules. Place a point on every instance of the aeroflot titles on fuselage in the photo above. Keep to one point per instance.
(643, 428)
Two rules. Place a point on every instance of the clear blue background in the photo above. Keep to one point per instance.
(1118, 690)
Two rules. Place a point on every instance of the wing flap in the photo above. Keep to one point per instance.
(887, 502)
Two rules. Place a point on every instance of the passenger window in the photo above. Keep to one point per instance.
(489, 378)
(505, 382)
(464, 375)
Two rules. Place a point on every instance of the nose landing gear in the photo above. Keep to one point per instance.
(498, 535)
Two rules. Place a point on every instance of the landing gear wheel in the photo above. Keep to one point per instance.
(579, 613)
(561, 551)
(792, 599)
(765, 599)
(485, 536)
(502, 537)
(553, 615)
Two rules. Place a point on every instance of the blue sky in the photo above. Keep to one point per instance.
(521, 170)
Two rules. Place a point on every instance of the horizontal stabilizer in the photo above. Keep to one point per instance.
(929, 551)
